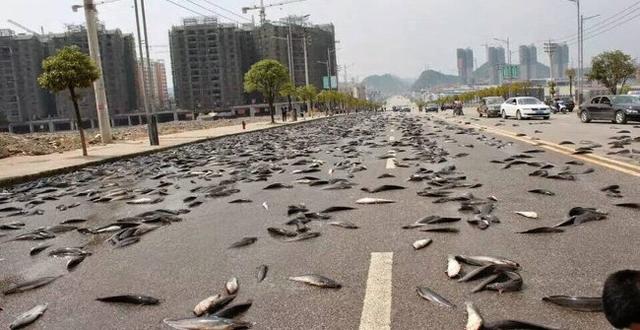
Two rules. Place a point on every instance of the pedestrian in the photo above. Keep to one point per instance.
(621, 299)
(244, 125)
(284, 114)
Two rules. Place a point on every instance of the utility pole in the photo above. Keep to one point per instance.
(152, 130)
(152, 125)
(290, 54)
(550, 48)
(306, 58)
(91, 16)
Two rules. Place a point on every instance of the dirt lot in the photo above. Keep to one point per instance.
(48, 143)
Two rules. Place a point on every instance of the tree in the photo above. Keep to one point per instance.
(307, 94)
(612, 69)
(69, 69)
(571, 73)
(552, 89)
(289, 91)
(267, 77)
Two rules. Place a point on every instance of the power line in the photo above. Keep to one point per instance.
(593, 29)
(227, 10)
(213, 12)
(605, 23)
(611, 28)
(185, 8)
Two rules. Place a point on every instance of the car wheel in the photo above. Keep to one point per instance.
(621, 117)
(518, 115)
(504, 114)
(585, 117)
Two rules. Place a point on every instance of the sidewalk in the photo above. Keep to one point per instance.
(23, 168)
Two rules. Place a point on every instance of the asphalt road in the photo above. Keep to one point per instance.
(568, 127)
(187, 261)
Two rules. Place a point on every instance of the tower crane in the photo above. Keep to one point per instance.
(262, 7)
(22, 27)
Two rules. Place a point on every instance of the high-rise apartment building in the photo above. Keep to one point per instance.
(209, 59)
(496, 61)
(465, 65)
(560, 61)
(157, 84)
(528, 62)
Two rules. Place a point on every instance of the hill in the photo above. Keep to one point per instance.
(430, 78)
(387, 84)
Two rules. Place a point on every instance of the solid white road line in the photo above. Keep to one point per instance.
(376, 311)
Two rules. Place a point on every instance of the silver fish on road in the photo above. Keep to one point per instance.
(453, 267)
(317, 280)
(212, 304)
(232, 286)
(421, 244)
(369, 200)
(581, 304)
(207, 323)
(30, 284)
(28, 317)
(433, 297)
(262, 273)
(474, 319)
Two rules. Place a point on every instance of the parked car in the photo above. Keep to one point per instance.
(524, 107)
(432, 107)
(616, 108)
(490, 106)
(446, 106)
(568, 101)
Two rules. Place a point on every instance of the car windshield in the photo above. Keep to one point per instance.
(626, 99)
(529, 100)
(495, 101)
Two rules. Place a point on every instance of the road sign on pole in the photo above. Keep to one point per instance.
(511, 71)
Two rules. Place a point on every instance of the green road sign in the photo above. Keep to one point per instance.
(511, 72)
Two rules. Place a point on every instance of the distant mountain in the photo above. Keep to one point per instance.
(387, 84)
(430, 78)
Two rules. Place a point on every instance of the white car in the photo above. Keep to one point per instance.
(524, 107)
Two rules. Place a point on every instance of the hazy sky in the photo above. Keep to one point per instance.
(402, 37)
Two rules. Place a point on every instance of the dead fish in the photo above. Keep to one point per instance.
(541, 230)
(232, 286)
(317, 280)
(73, 221)
(542, 192)
(39, 248)
(383, 188)
(280, 232)
(483, 284)
(453, 267)
(450, 230)
(28, 317)
(566, 142)
(208, 322)
(69, 252)
(421, 244)
(611, 187)
(212, 304)
(344, 224)
(234, 311)
(130, 299)
(262, 272)
(474, 319)
(339, 186)
(514, 283)
(368, 200)
(244, 242)
(337, 209)
(30, 284)
(512, 324)
(10, 209)
(145, 200)
(277, 185)
(530, 215)
(303, 236)
(486, 260)
(581, 304)
(575, 162)
(240, 201)
(629, 205)
(433, 297)
(386, 176)
(486, 271)
(74, 262)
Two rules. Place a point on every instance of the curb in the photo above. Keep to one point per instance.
(6, 182)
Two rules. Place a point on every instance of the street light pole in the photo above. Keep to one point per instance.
(580, 60)
(152, 131)
(102, 107)
(306, 59)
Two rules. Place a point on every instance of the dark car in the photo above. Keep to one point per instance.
(490, 106)
(568, 101)
(431, 108)
(616, 108)
(446, 106)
